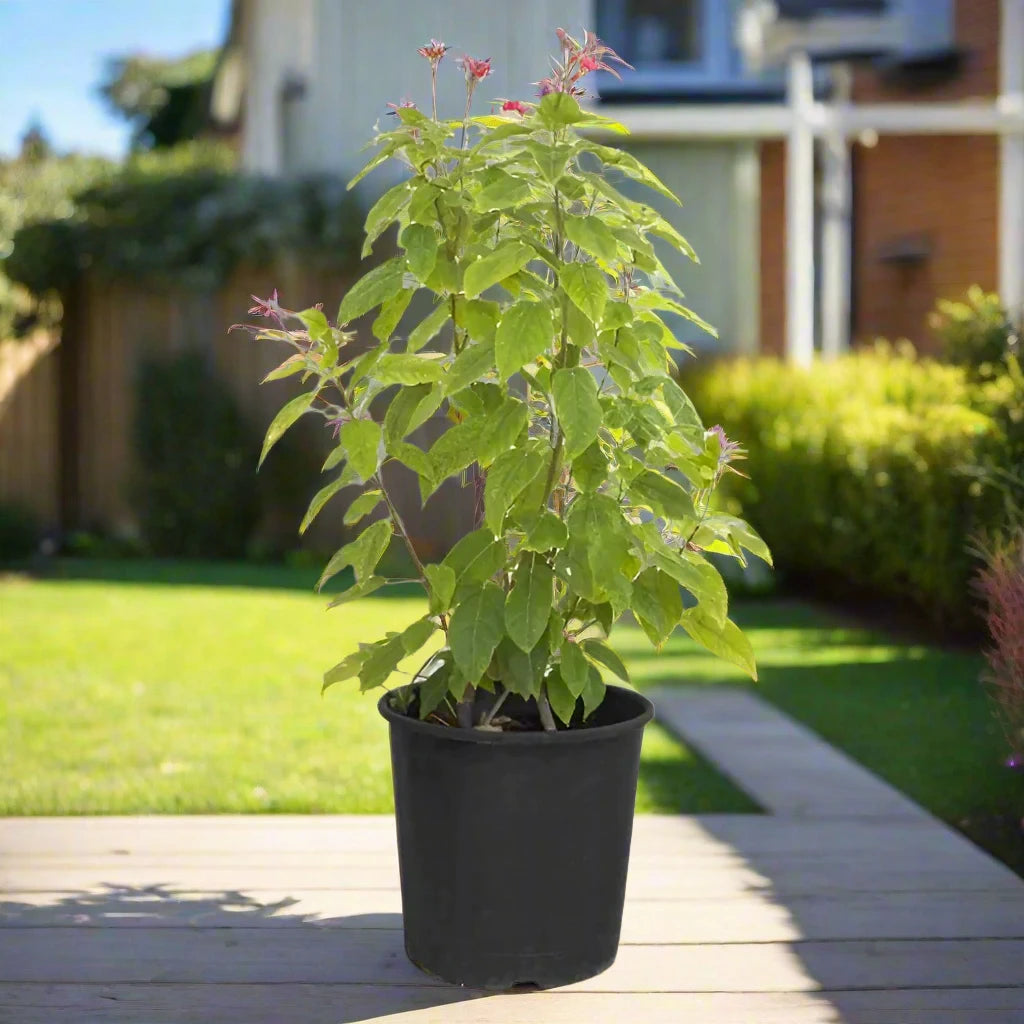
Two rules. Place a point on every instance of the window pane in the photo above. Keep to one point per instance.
(662, 31)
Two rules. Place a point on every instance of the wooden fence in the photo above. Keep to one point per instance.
(109, 330)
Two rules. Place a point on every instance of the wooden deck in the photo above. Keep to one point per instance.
(844, 903)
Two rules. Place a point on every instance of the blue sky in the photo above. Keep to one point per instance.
(53, 54)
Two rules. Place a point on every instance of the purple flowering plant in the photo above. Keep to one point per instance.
(547, 347)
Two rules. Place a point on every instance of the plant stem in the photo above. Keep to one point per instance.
(544, 706)
(404, 533)
(486, 720)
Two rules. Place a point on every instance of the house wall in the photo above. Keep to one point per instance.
(925, 208)
(355, 58)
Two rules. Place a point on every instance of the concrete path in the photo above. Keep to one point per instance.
(844, 903)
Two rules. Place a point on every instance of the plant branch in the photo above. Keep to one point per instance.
(544, 707)
(410, 547)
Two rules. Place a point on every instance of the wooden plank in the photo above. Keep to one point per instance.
(757, 838)
(673, 840)
(298, 956)
(735, 919)
(786, 768)
(334, 1004)
(680, 881)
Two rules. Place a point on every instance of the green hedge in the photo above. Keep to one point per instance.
(184, 217)
(865, 472)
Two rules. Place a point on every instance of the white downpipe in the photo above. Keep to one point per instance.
(1011, 159)
(800, 212)
(835, 229)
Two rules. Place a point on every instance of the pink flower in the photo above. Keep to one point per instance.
(433, 51)
(546, 85)
(589, 63)
(406, 104)
(476, 70)
(514, 106)
(264, 307)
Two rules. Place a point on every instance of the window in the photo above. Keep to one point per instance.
(672, 44)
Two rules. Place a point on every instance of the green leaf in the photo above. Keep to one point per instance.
(380, 660)
(442, 586)
(416, 635)
(292, 365)
(358, 591)
(391, 311)
(587, 287)
(593, 692)
(347, 668)
(575, 668)
(663, 495)
(502, 262)
(590, 469)
(561, 698)
(593, 563)
(453, 451)
(410, 408)
(689, 569)
(428, 328)
(362, 554)
(528, 605)
(548, 532)
(420, 244)
(591, 235)
(657, 604)
(524, 332)
(682, 409)
(432, 682)
(500, 430)
(416, 459)
(521, 672)
(320, 499)
(379, 285)
(362, 441)
(407, 368)
(472, 363)
(284, 419)
(600, 653)
(510, 474)
(382, 213)
(739, 533)
(559, 108)
(577, 408)
(722, 639)
(476, 558)
(479, 317)
(503, 193)
(476, 626)
(363, 505)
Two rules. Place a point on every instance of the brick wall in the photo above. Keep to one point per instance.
(925, 218)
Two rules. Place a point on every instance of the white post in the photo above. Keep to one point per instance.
(835, 228)
(1011, 159)
(800, 212)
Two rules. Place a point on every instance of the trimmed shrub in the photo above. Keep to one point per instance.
(864, 471)
(977, 333)
(195, 491)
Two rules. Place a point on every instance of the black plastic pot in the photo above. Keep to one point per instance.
(513, 846)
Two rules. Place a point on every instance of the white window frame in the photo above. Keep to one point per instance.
(719, 66)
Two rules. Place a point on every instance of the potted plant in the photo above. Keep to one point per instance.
(547, 347)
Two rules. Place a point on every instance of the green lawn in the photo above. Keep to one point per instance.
(195, 688)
